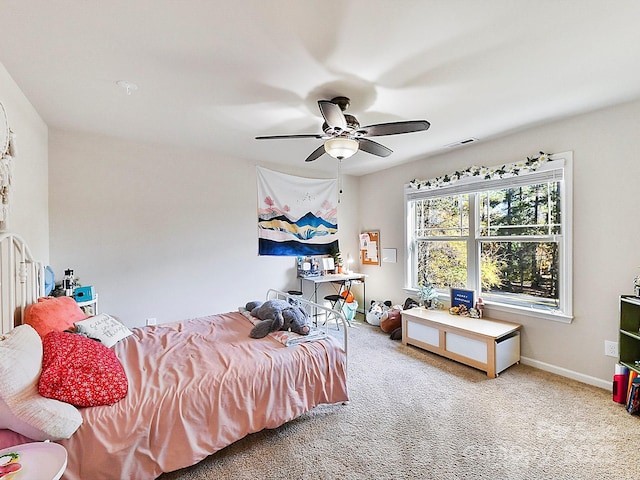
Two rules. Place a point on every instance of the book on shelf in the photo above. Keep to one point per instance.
(633, 401)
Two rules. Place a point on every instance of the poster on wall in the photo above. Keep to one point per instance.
(297, 216)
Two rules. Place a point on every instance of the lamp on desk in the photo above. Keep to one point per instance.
(349, 263)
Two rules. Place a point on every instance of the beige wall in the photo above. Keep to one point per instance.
(29, 216)
(605, 238)
(164, 233)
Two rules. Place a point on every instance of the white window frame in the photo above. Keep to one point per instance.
(559, 166)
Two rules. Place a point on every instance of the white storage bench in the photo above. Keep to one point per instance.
(488, 345)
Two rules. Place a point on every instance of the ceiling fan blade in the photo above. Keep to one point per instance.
(374, 148)
(317, 153)
(303, 135)
(332, 114)
(394, 128)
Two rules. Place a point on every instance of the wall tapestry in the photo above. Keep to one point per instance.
(297, 216)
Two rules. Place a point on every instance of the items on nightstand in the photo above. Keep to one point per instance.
(68, 283)
(87, 299)
(90, 307)
(83, 294)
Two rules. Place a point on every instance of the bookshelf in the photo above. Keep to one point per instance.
(629, 346)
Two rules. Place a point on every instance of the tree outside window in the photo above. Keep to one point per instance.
(505, 243)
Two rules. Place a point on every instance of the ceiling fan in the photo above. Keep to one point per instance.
(344, 136)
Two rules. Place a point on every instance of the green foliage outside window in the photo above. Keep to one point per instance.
(516, 228)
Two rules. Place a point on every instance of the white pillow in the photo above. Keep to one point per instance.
(22, 408)
(103, 327)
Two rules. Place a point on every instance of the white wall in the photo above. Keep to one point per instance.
(171, 233)
(29, 215)
(606, 229)
(164, 233)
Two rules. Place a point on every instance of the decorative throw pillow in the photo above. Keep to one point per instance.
(22, 408)
(53, 314)
(103, 327)
(80, 371)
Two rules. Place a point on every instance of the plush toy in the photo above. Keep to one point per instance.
(396, 333)
(391, 319)
(251, 305)
(278, 315)
(410, 303)
(376, 310)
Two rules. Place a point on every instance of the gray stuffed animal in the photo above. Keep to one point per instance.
(277, 315)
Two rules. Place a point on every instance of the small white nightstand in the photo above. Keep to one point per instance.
(35, 461)
(90, 307)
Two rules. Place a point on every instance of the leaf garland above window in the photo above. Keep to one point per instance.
(487, 173)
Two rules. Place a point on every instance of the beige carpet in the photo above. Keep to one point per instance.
(416, 415)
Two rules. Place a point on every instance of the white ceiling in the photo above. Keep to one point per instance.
(214, 74)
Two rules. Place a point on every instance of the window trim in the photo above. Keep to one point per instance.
(559, 166)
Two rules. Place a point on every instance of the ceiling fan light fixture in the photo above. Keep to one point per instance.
(341, 147)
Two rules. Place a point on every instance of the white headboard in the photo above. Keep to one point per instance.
(21, 280)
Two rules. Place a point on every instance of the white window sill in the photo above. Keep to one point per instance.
(509, 309)
(528, 312)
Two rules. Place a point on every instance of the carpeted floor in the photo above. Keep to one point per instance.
(413, 414)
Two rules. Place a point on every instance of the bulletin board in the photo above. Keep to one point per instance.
(370, 247)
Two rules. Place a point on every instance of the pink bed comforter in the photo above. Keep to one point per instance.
(196, 387)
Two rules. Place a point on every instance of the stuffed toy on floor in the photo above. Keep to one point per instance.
(376, 310)
(391, 319)
(278, 315)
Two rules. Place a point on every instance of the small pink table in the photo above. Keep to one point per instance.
(33, 461)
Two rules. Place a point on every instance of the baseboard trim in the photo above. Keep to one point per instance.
(580, 377)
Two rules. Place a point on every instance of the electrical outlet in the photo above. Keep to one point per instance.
(152, 321)
(611, 348)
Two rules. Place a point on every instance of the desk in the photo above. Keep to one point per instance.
(341, 278)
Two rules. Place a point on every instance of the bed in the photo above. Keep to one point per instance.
(194, 387)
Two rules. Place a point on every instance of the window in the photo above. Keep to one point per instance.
(506, 238)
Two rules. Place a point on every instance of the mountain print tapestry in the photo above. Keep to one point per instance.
(297, 216)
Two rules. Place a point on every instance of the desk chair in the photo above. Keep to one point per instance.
(336, 304)
(337, 301)
(295, 295)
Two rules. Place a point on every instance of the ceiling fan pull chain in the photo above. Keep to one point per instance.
(339, 180)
